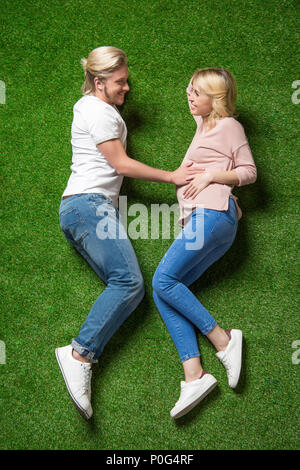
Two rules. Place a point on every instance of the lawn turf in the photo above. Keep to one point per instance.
(47, 289)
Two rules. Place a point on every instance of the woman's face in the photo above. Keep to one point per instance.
(199, 102)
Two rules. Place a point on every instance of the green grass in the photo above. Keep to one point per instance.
(47, 289)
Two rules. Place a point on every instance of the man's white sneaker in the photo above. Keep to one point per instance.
(77, 376)
(231, 357)
(192, 393)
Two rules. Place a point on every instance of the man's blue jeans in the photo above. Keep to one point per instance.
(92, 225)
(182, 264)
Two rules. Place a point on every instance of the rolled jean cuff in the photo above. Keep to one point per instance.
(189, 356)
(90, 355)
(209, 327)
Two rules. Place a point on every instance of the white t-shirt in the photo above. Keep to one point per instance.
(94, 122)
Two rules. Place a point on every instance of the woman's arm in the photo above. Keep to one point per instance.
(244, 173)
(207, 177)
(245, 166)
(224, 177)
(117, 157)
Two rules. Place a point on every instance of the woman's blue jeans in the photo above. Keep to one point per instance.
(204, 239)
(92, 225)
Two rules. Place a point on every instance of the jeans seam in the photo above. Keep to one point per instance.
(208, 327)
(120, 306)
(80, 220)
(106, 317)
(91, 354)
(81, 349)
(189, 356)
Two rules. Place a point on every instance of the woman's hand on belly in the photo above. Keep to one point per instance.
(200, 182)
(206, 177)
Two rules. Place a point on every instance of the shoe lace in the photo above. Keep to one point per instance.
(227, 366)
(86, 376)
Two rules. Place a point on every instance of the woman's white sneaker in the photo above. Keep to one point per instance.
(231, 357)
(77, 376)
(192, 393)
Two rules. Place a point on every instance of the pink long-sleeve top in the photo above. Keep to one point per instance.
(225, 147)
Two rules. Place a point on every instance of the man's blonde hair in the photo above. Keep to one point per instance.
(219, 85)
(101, 63)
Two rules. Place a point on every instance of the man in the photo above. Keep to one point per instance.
(99, 163)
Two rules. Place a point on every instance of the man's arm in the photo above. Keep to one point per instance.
(117, 157)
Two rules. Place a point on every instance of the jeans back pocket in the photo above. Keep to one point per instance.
(225, 227)
(72, 224)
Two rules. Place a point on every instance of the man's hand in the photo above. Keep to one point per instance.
(184, 174)
(200, 181)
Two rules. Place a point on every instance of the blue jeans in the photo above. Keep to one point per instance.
(182, 265)
(92, 225)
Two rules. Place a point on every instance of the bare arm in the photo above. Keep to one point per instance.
(117, 157)
(224, 177)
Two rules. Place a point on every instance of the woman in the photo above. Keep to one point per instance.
(209, 214)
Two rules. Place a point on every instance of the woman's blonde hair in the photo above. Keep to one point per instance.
(219, 85)
(101, 63)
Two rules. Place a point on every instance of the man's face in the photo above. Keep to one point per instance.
(116, 86)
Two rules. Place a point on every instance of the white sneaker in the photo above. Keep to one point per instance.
(231, 357)
(77, 376)
(192, 393)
